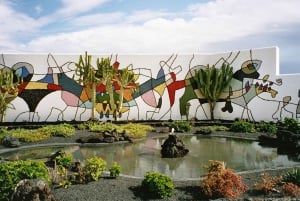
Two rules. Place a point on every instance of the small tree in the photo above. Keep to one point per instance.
(9, 83)
(211, 82)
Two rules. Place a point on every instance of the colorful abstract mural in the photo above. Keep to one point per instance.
(164, 88)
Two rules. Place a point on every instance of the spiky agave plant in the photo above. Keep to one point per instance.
(212, 81)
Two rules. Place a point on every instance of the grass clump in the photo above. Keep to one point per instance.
(293, 176)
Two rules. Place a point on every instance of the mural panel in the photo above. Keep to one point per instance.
(164, 88)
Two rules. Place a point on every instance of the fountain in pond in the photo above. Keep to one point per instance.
(173, 147)
(141, 156)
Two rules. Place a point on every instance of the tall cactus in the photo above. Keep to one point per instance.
(86, 75)
(126, 80)
(211, 82)
(9, 83)
(106, 72)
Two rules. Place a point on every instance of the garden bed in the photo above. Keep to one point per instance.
(129, 188)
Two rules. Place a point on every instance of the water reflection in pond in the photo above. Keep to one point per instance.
(137, 158)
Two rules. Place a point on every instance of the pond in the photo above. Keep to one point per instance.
(139, 157)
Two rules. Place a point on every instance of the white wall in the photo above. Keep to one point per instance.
(261, 107)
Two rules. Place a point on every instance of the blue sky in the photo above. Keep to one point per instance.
(151, 26)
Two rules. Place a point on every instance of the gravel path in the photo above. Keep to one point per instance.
(124, 188)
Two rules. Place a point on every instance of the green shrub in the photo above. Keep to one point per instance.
(157, 184)
(3, 130)
(12, 172)
(3, 133)
(86, 125)
(132, 130)
(94, 168)
(103, 127)
(266, 127)
(30, 135)
(242, 126)
(64, 160)
(292, 125)
(181, 126)
(115, 170)
(293, 176)
(43, 133)
(61, 130)
(136, 130)
(218, 128)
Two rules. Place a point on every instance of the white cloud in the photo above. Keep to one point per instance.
(254, 13)
(72, 7)
(14, 25)
(145, 15)
(98, 19)
(198, 28)
(38, 9)
(157, 35)
(159, 31)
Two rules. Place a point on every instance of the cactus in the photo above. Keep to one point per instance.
(90, 77)
(106, 72)
(86, 75)
(9, 83)
(126, 79)
(211, 82)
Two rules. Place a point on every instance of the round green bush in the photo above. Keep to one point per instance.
(157, 184)
(242, 126)
(12, 172)
(94, 167)
(266, 127)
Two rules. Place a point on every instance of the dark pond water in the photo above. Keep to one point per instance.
(140, 157)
